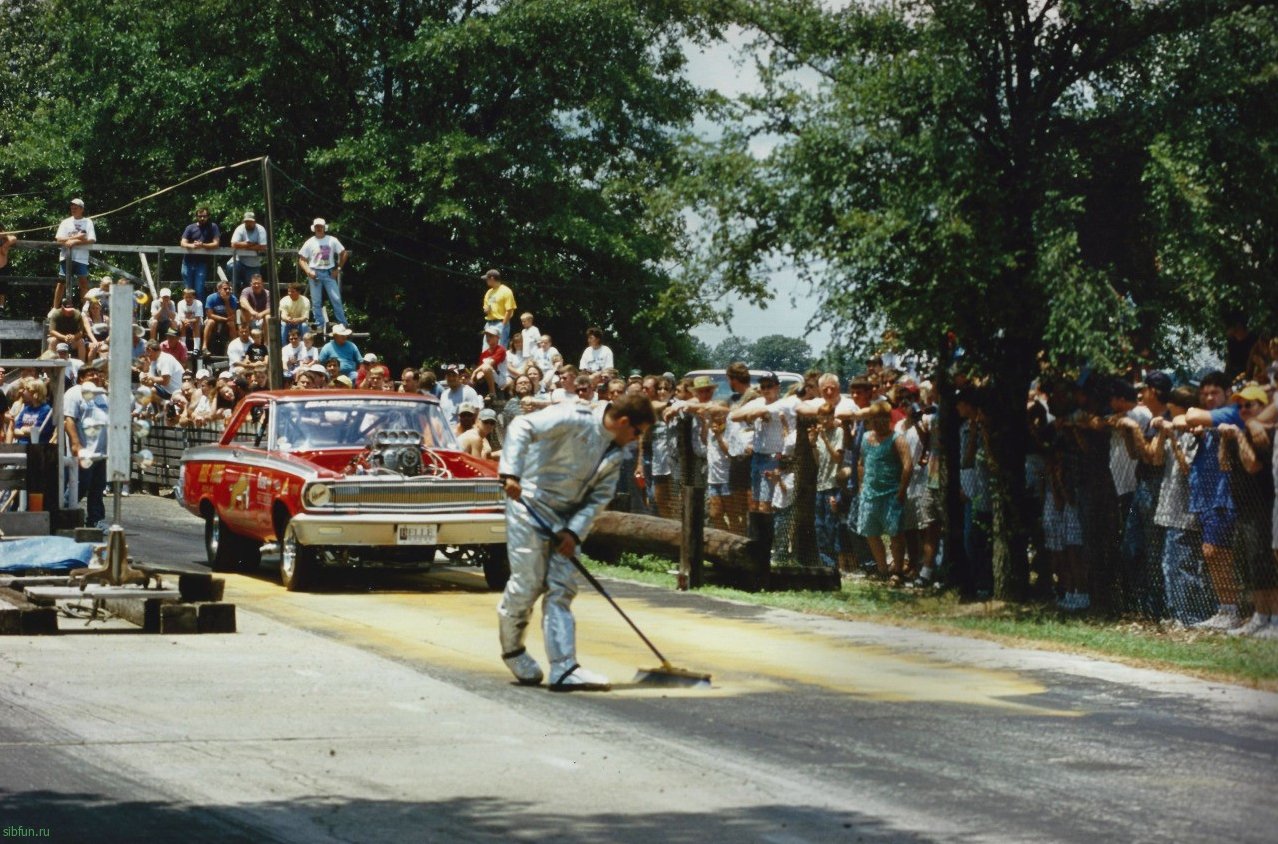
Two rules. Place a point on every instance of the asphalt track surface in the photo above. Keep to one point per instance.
(377, 710)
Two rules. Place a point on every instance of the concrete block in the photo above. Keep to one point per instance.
(201, 587)
(24, 524)
(216, 618)
(178, 618)
(19, 617)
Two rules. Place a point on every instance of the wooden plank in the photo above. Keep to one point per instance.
(21, 329)
(41, 245)
(42, 594)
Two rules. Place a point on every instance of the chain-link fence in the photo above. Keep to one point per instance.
(1128, 513)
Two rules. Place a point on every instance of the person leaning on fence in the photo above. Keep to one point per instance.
(249, 242)
(202, 235)
(1243, 531)
(1211, 493)
(1187, 596)
(76, 234)
(885, 472)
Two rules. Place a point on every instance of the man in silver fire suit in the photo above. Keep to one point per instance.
(562, 463)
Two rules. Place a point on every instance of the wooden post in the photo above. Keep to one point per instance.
(692, 549)
(804, 535)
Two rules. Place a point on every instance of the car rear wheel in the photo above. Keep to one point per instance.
(298, 562)
(227, 551)
(496, 566)
(219, 544)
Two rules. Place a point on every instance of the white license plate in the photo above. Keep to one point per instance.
(417, 534)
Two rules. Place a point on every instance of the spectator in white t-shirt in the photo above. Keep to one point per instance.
(597, 357)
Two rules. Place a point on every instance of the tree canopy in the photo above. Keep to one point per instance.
(437, 138)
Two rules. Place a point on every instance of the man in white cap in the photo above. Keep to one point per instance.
(249, 242)
(322, 257)
(342, 350)
(163, 314)
(76, 234)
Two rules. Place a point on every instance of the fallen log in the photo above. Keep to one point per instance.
(738, 560)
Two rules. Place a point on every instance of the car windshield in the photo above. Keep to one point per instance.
(346, 423)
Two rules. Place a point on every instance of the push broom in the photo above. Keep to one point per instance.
(666, 675)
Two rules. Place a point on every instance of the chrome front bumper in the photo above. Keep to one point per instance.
(380, 528)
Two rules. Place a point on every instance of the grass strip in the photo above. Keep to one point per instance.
(1211, 656)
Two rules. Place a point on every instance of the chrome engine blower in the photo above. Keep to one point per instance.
(396, 451)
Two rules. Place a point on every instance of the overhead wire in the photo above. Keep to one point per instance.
(142, 199)
(552, 283)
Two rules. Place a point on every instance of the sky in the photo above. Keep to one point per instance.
(720, 67)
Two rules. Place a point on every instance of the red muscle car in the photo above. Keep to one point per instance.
(343, 478)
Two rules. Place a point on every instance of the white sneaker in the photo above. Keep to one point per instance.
(578, 679)
(1253, 626)
(1269, 632)
(524, 667)
(1221, 621)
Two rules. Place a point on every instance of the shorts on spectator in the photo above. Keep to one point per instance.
(879, 516)
(1253, 555)
(718, 490)
(1061, 528)
(79, 269)
(760, 485)
(917, 512)
(1217, 526)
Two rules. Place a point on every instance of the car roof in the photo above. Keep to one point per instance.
(311, 395)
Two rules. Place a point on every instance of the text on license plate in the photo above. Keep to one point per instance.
(417, 534)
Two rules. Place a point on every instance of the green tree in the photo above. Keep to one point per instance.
(731, 349)
(438, 139)
(944, 172)
(778, 352)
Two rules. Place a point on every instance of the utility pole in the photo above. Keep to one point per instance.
(274, 342)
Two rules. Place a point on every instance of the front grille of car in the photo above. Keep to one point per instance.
(414, 495)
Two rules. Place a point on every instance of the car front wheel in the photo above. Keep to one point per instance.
(298, 562)
(496, 566)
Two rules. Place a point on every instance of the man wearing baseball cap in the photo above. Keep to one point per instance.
(456, 393)
(322, 258)
(249, 242)
(163, 314)
(76, 234)
(499, 306)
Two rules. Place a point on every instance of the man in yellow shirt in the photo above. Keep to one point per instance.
(499, 305)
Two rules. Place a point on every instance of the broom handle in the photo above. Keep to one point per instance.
(597, 585)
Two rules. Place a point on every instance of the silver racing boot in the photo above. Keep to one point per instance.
(526, 670)
(511, 632)
(568, 676)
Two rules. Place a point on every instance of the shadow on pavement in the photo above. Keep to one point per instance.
(93, 817)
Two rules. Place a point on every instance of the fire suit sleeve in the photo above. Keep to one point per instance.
(603, 488)
(522, 433)
(514, 448)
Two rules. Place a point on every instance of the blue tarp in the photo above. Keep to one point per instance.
(47, 553)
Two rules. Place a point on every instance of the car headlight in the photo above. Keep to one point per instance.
(317, 495)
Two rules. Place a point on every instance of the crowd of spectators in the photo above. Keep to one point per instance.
(1161, 493)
